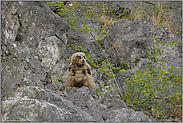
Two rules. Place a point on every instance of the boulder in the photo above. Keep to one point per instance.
(31, 44)
(105, 108)
(34, 104)
(126, 115)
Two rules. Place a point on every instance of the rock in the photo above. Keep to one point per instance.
(82, 98)
(31, 44)
(34, 104)
(126, 115)
(128, 41)
(132, 39)
(102, 108)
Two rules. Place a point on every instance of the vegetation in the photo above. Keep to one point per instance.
(159, 13)
(147, 88)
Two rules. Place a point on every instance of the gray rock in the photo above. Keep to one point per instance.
(31, 44)
(38, 105)
(82, 98)
(126, 115)
(128, 40)
(132, 39)
(107, 107)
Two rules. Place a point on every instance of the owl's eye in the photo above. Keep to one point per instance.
(79, 57)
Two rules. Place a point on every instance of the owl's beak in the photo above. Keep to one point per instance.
(82, 60)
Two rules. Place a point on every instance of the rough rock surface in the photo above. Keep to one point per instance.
(128, 40)
(125, 115)
(32, 103)
(30, 48)
(107, 108)
(35, 104)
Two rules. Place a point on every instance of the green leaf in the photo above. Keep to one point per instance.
(86, 32)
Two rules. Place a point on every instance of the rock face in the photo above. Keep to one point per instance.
(30, 48)
(129, 40)
(106, 108)
(125, 115)
(35, 104)
(34, 55)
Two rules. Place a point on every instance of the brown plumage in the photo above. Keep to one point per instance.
(79, 73)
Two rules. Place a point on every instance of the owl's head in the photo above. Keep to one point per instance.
(78, 58)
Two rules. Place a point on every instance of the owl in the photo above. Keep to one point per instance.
(79, 73)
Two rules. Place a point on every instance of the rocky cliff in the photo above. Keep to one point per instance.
(35, 52)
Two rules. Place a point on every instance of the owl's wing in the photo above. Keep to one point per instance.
(89, 69)
(70, 66)
(71, 70)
